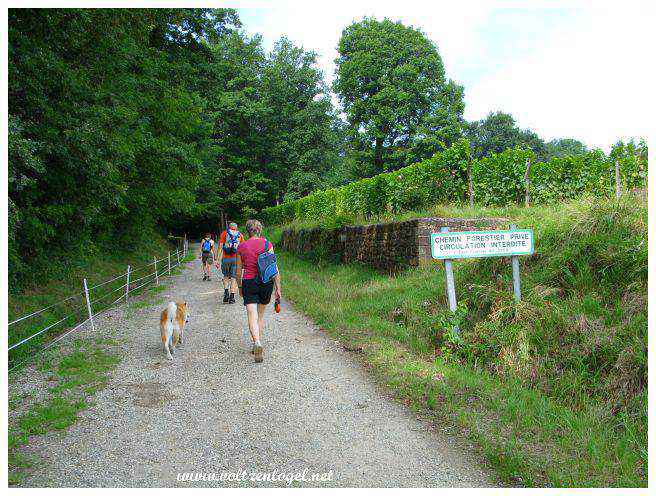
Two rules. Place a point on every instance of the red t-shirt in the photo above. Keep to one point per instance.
(249, 251)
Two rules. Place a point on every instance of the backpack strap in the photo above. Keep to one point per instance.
(266, 245)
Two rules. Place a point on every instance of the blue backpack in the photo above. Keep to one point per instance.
(207, 246)
(232, 243)
(266, 264)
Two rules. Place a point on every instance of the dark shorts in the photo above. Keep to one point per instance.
(229, 267)
(256, 293)
(207, 257)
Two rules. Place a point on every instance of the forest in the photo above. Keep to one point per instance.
(124, 123)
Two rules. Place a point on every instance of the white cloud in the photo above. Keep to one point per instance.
(589, 82)
(585, 77)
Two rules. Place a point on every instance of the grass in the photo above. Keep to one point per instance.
(552, 390)
(97, 269)
(73, 376)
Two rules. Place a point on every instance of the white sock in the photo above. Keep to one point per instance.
(257, 343)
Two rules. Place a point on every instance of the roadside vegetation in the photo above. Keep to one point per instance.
(553, 389)
(65, 377)
(65, 279)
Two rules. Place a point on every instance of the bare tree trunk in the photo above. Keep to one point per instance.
(378, 155)
(618, 183)
(527, 183)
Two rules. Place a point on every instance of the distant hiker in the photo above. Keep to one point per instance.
(227, 259)
(257, 277)
(207, 256)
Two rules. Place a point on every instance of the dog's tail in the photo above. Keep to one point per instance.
(166, 323)
(171, 310)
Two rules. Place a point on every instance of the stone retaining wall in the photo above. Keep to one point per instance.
(386, 246)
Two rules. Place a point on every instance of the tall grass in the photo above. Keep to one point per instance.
(553, 389)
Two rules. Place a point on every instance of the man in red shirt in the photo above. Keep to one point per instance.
(228, 244)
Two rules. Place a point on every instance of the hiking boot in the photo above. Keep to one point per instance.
(225, 296)
(257, 351)
(231, 298)
(205, 277)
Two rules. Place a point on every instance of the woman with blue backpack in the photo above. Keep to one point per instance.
(257, 279)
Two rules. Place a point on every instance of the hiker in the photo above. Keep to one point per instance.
(207, 256)
(257, 278)
(229, 242)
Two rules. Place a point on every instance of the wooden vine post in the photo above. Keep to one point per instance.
(643, 174)
(527, 183)
(471, 183)
(618, 183)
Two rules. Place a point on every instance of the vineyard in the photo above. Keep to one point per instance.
(452, 176)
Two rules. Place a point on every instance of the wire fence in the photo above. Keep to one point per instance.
(28, 339)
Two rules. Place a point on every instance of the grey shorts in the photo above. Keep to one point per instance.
(229, 267)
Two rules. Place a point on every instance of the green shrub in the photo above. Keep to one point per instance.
(498, 180)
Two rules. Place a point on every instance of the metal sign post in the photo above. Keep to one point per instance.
(515, 269)
(450, 284)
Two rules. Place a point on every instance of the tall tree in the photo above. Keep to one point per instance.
(498, 132)
(300, 124)
(119, 132)
(391, 83)
(563, 147)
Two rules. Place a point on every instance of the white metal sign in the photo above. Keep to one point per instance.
(471, 244)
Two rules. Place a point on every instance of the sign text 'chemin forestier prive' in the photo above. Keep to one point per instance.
(470, 244)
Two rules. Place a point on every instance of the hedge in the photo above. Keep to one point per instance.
(497, 180)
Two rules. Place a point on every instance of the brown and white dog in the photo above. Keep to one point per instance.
(171, 325)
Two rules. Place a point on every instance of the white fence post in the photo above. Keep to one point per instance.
(127, 285)
(86, 294)
(169, 263)
(177, 254)
(156, 275)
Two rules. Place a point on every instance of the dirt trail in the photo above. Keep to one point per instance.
(309, 406)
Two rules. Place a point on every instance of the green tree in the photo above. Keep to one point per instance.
(391, 83)
(302, 143)
(499, 132)
(564, 147)
(121, 132)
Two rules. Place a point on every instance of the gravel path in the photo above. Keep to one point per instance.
(310, 406)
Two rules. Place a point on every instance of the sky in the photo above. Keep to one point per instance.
(562, 69)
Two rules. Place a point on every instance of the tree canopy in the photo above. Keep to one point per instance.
(127, 121)
(391, 82)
